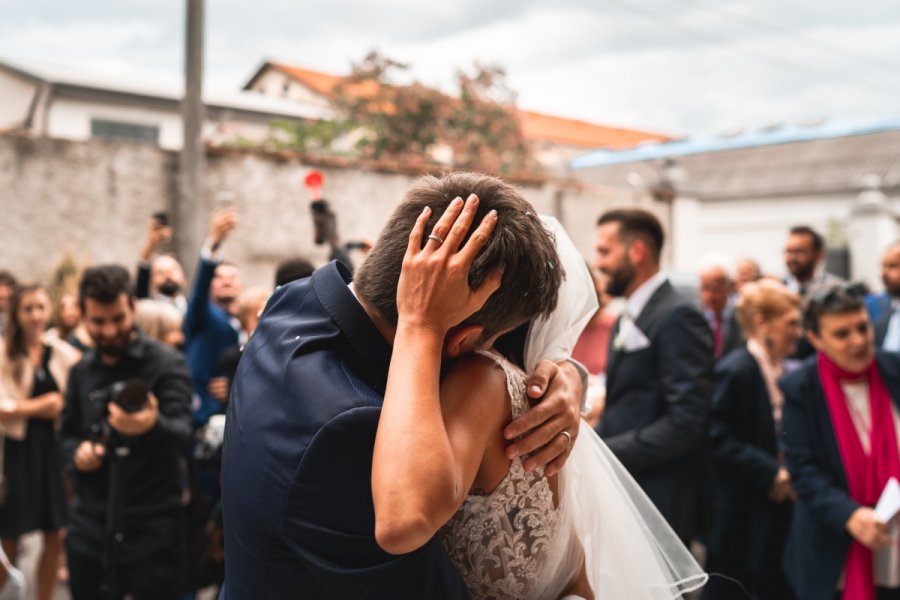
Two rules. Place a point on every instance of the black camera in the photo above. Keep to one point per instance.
(130, 395)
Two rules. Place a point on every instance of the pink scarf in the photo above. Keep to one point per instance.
(866, 474)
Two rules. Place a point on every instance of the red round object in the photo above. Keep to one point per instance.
(313, 179)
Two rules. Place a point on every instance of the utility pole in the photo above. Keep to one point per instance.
(189, 213)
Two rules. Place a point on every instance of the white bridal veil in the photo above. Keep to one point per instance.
(629, 550)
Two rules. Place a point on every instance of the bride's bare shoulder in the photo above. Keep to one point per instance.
(475, 377)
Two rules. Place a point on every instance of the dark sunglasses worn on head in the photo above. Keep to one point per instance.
(828, 295)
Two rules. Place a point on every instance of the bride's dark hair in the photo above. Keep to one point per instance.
(520, 244)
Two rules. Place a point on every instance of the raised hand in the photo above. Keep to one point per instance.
(433, 291)
(223, 222)
(157, 234)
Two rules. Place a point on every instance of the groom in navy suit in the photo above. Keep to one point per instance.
(297, 499)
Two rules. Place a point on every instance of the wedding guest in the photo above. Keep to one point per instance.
(592, 346)
(66, 314)
(841, 421)
(160, 321)
(67, 323)
(660, 374)
(745, 271)
(7, 285)
(753, 495)
(884, 308)
(210, 325)
(717, 297)
(292, 269)
(804, 258)
(160, 276)
(33, 377)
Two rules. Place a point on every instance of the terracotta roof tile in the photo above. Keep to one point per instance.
(572, 132)
(535, 126)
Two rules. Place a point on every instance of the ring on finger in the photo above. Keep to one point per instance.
(568, 437)
(436, 238)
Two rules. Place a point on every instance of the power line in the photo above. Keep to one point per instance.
(698, 34)
(802, 38)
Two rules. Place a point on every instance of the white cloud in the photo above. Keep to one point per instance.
(681, 66)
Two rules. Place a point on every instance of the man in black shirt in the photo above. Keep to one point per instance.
(125, 533)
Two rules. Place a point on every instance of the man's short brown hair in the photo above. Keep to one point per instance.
(637, 223)
(520, 245)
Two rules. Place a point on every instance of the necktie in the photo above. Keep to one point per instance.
(717, 335)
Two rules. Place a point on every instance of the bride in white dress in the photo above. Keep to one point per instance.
(587, 532)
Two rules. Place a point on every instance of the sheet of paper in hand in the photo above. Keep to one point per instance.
(889, 503)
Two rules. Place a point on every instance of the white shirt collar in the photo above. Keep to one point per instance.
(793, 284)
(635, 303)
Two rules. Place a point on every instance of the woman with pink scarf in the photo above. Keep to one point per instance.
(841, 420)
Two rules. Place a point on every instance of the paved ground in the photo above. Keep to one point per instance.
(31, 548)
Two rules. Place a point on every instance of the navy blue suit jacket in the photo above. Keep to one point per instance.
(745, 455)
(657, 409)
(297, 464)
(818, 542)
(208, 333)
(879, 307)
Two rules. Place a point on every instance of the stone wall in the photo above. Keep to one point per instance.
(94, 199)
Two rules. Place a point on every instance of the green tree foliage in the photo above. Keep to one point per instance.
(384, 114)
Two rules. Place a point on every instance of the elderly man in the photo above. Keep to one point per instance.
(717, 295)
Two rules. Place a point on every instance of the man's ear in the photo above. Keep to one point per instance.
(462, 339)
(815, 340)
(637, 251)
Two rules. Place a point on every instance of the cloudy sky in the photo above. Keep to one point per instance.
(676, 66)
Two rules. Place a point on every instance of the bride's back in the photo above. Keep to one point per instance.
(506, 538)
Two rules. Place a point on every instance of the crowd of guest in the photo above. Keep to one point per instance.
(107, 392)
(794, 386)
(753, 409)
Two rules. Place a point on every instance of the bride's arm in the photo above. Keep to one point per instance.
(412, 447)
(428, 450)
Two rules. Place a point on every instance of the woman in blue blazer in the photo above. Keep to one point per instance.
(753, 495)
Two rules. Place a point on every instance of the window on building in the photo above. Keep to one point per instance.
(120, 130)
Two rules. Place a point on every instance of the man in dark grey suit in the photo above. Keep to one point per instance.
(660, 374)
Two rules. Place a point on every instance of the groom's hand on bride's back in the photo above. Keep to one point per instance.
(558, 390)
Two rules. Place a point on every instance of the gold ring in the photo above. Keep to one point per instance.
(568, 437)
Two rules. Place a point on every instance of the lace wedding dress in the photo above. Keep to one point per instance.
(523, 541)
(502, 542)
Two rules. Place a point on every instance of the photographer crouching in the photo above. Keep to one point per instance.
(125, 425)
